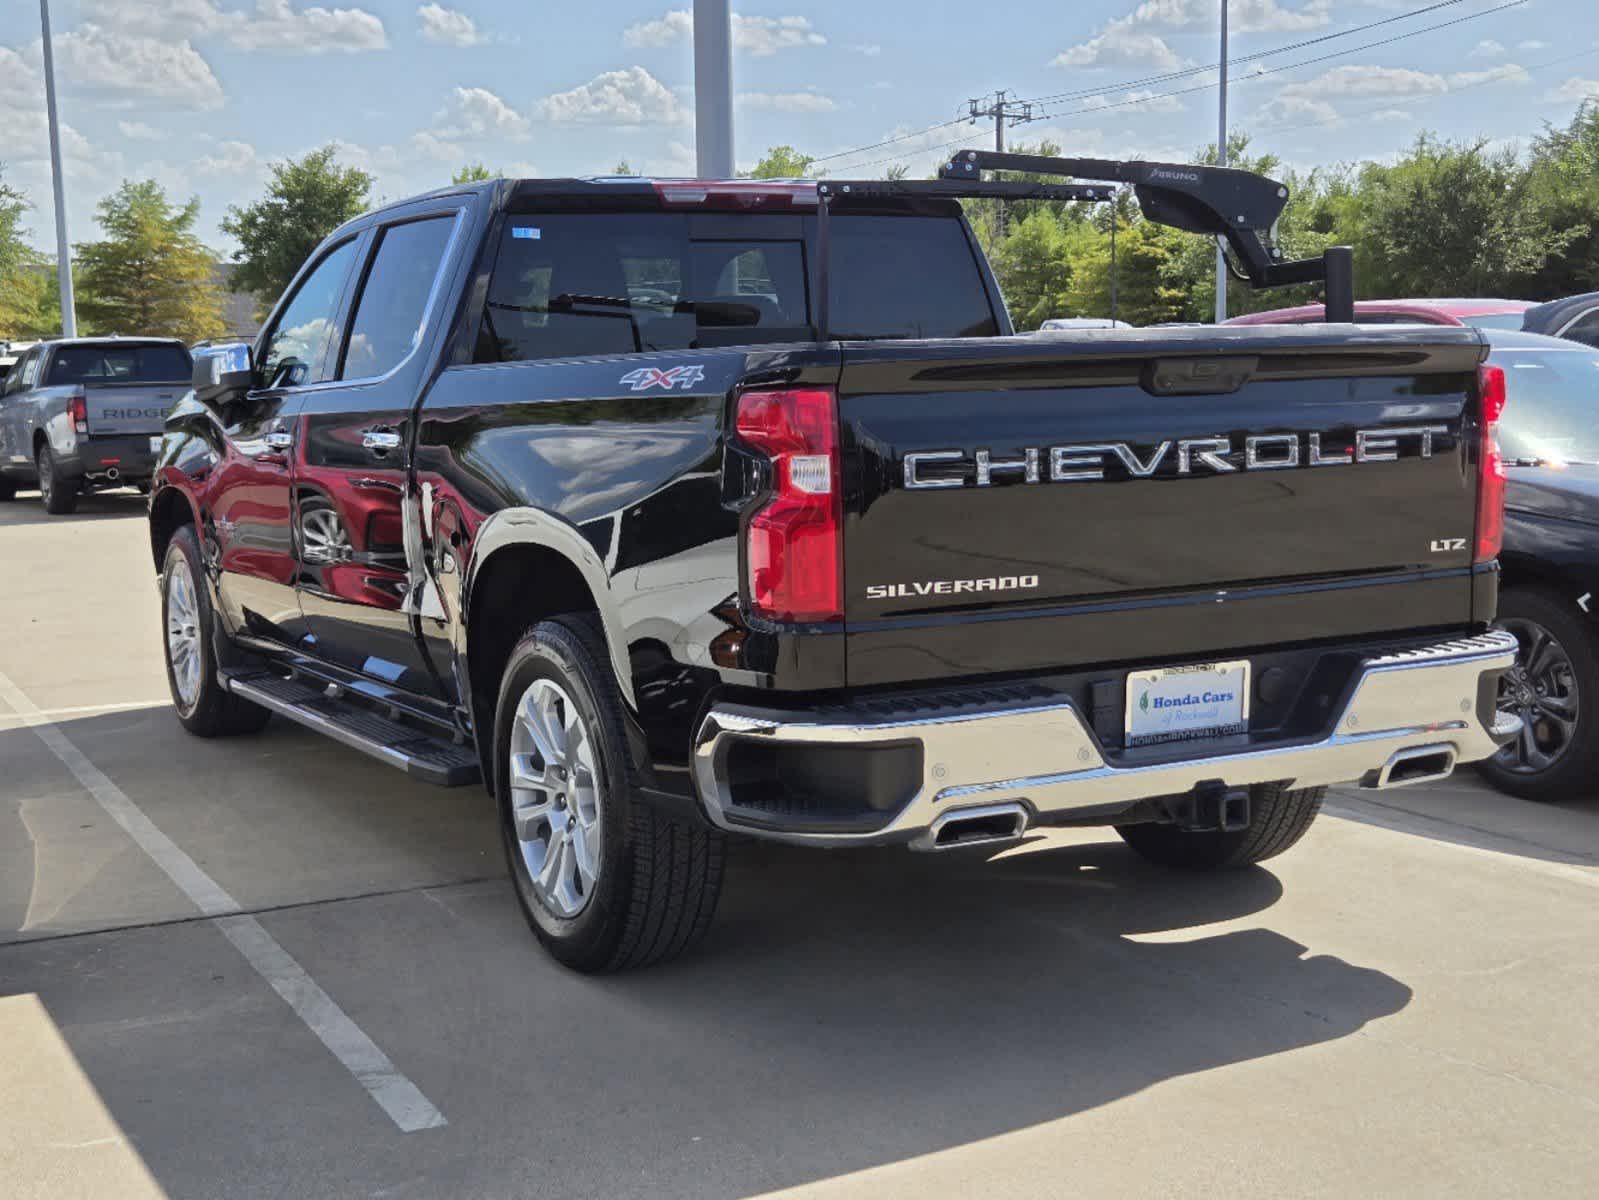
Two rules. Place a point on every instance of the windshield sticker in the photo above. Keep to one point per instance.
(530, 232)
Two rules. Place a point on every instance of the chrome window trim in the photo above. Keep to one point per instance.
(364, 381)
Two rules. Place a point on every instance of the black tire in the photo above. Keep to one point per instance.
(658, 880)
(211, 711)
(1567, 671)
(1278, 818)
(59, 496)
(8, 490)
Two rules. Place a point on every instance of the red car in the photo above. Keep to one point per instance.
(1484, 314)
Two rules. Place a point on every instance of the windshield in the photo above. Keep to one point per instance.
(120, 362)
(1552, 405)
(1509, 320)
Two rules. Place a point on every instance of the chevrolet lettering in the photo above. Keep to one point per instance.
(932, 469)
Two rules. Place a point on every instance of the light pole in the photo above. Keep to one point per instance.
(713, 89)
(69, 312)
(1221, 161)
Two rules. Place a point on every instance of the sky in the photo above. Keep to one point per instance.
(201, 95)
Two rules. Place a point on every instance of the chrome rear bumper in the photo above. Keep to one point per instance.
(1411, 716)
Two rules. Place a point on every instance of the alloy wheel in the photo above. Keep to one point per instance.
(555, 797)
(1541, 689)
(183, 632)
(323, 536)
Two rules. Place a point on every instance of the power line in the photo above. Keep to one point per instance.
(1189, 72)
(1099, 108)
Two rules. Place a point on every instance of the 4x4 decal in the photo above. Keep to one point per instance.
(645, 378)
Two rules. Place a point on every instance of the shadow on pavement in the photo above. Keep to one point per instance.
(848, 1010)
(96, 506)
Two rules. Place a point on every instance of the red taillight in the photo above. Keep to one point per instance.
(1490, 466)
(78, 411)
(794, 544)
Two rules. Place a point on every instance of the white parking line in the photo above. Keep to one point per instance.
(401, 1099)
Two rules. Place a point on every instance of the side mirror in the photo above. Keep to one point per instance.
(221, 371)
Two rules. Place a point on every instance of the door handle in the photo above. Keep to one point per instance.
(279, 439)
(380, 441)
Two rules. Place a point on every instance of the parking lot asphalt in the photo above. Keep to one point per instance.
(1402, 1005)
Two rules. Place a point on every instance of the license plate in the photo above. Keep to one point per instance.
(155, 444)
(1178, 703)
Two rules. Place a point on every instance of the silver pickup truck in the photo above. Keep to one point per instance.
(84, 413)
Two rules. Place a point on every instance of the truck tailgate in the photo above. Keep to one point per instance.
(1125, 496)
(121, 409)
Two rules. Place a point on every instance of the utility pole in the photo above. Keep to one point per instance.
(1221, 161)
(69, 312)
(713, 89)
(1002, 109)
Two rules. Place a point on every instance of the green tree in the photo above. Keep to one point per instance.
(1145, 294)
(30, 302)
(474, 173)
(783, 162)
(149, 274)
(1034, 265)
(623, 167)
(1450, 219)
(26, 309)
(1563, 185)
(306, 200)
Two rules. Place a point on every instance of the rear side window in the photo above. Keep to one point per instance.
(114, 362)
(905, 277)
(393, 304)
(566, 286)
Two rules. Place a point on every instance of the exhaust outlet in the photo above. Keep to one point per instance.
(984, 825)
(1420, 764)
(113, 474)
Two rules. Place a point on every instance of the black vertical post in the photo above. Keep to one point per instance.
(1339, 262)
(824, 237)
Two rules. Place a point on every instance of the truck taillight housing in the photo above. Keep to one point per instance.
(794, 544)
(1490, 466)
(78, 411)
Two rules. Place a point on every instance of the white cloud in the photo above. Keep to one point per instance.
(432, 146)
(275, 26)
(799, 102)
(1532, 45)
(449, 27)
(138, 131)
(129, 67)
(1396, 115)
(232, 158)
(1369, 81)
(1145, 100)
(1297, 109)
(631, 96)
(760, 37)
(1243, 16)
(1120, 46)
(1487, 48)
(1128, 42)
(1574, 91)
(869, 49)
(1507, 73)
(474, 112)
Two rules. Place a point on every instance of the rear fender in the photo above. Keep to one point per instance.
(513, 527)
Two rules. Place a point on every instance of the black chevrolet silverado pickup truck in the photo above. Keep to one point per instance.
(675, 510)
